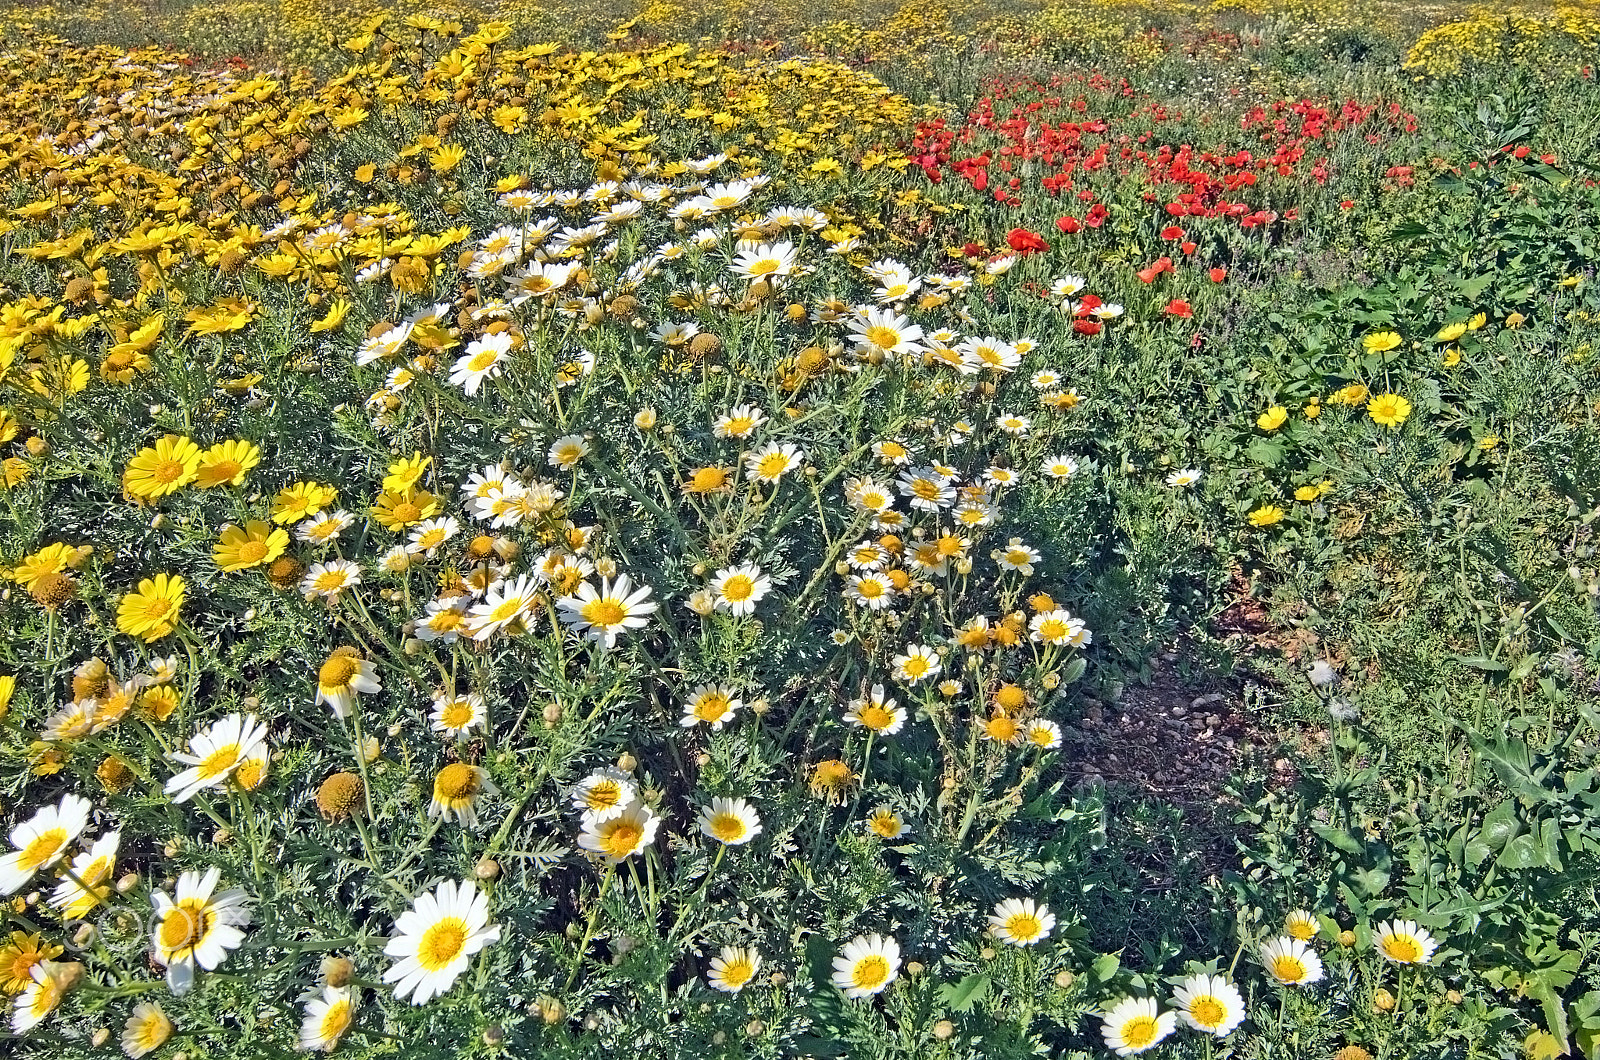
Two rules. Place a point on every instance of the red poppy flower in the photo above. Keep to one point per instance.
(1097, 215)
(1069, 225)
(972, 250)
(1189, 248)
(1178, 308)
(1218, 275)
(1172, 232)
(1025, 242)
(1087, 327)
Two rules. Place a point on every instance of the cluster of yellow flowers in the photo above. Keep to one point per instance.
(1532, 39)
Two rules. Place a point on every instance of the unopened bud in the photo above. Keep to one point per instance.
(552, 715)
(1065, 979)
(127, 883)
(486, 869)
(943, 1030)
(100, 1036)
(627, 763)
(755, 1028)
(338, 971)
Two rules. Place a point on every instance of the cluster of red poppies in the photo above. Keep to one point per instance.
(1028, 145)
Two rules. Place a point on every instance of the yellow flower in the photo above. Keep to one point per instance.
(446, 158)
(257, 543)
(151, 611)
(1478, 320)
(365, 173)
(398, 509)
(1354, 394)
(225, 464)
(300, 500)
(1381, 342)
(403, 474)
(1515, 320)
(1267, 515)
(334, 317)
(1451, 332)
(1313, 410)
(1452, 357)
(1273, 418)
(161, 469)
(1388, 410)
(1488, 442)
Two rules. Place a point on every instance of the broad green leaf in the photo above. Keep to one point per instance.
(960, 997)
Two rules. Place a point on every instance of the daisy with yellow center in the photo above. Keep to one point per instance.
(1301, 924)
(86, 884)
(871, 590)
(482, 360)
(733, 968)
(456, 791)
(620, 837)
(324, 529)
(1290, 961)
(739, 422)
(1058, 627)
(328, 1016)
(226, 464)
(1042, 733)
(215, 752)
(42, 840)
(710, 705)
(147, 1030)
(731, 822)
(603, 795)
(436, 938)
(1001, 728)
(600, 615)
(457, 716)
(1021, 922)
(884, 823)
(1209, 1004)
(254, 545)
(343, 675)
(51, 981)
(197, 927)
(162, 469)
(329, 579)
(151, 611)
(428, 535)
(868, 964)
(916, 664)
(703, 480)
(1135, 1024)
(1060, 467)
(878, 713)
(399, 509)
(1403, 942)
(772, 461)
(739, 589)
(503, 605)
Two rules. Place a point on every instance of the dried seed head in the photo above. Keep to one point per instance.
(337, 795)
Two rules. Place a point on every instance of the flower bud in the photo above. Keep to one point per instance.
(100, 1037)
(1065, 979)
(486, 869)
(1383, 1001)
(755, 1028)
(338, 971)
(627, 763)
(943, 1030)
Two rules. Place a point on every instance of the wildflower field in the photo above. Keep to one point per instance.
(1031, 529)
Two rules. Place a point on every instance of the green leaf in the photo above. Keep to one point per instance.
(1074, 670)
(1341, 838)
(1521, 853)
(1267, 453)
(1500, 826)
(960, 997)
(1105, 966)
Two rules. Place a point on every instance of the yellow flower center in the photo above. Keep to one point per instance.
(772, 465)
(1023, 926)
(338, 671)
(506, 609)
(620, 840)
(455, 782)
(406, 512)
(329, 581)
(603, 795)
(456, 714)
(604, 613)
(157, 607)
(1139, 1032)
(224, 470)
(727, 827)
(1001, 728)
(1288, 969)
(442, 943)
(738, 588)
(875, 717)
(184, 926)
(336, 1020)
(737, 973)
(167, 471)
(1402, 948)
(870, 588)
(925, 489)
(711, 707)
(886, 825)
(483, 360)
(883, 337)
(43, 848)
(1207, 1011)
(1052, 629)
(870, 972)
(219, 761)
(252, 551)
